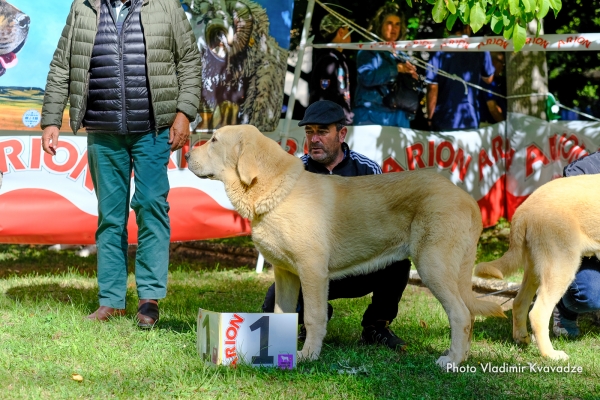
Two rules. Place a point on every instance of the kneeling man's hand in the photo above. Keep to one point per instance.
(179, 132)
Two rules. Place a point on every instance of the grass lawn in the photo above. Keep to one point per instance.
(44, 340)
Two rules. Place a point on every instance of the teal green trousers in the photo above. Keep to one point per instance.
(112, 158)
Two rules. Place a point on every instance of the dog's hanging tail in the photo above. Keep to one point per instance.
(511, 260)
(482, 307)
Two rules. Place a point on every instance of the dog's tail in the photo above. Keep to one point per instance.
(511, 260)
(474, 305)
(482, 307)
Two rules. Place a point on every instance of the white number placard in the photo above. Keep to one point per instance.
(257, 339)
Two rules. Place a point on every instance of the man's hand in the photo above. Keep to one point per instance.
(179, 132)
(432, 95)
(50, 139)
(408, 68)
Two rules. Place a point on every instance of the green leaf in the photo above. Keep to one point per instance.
(409, 3)
(514, 7)
(497, 24)
(450, 21)
(526, 5)
(451, 6)
(464, 11)
(477, 17)
(519, 37)
(544, 6)
(431, 1)
(507, 19)
(439, 11)
(556, 5)
(508, 30)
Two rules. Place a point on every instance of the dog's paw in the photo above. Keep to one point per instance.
(558, 355)
(446, 363)
(307, 356)
(522, 340)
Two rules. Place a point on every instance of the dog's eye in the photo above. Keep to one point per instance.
(213, 139)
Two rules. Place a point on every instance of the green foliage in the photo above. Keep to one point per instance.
(574, 75)
(509, 17)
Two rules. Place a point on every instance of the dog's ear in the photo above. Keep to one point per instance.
(247, 165)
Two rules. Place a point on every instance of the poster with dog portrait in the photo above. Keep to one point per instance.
(244, 48)
(29, 32)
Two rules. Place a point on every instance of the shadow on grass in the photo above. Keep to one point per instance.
(24, 260)
(86, 299)
(81, 296)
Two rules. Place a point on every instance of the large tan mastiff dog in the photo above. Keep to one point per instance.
(550, 232)
(315, 227)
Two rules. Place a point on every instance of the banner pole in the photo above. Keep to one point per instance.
(292, 99)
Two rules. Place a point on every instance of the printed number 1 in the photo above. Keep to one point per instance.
(263, 357)
(206, 323)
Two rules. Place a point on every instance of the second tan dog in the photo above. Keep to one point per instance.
(550, 232)
(314, 227)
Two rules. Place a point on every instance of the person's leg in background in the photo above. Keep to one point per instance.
(150, 153)
(387, 286)
(110, 168)
(583, 295)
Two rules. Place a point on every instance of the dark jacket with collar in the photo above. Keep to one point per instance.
(353, 164)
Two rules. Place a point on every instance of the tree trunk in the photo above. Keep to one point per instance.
(527, 73)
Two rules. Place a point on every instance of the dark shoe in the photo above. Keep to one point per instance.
(562, 326)
(147, 313)
(380, 333)
(105, 313)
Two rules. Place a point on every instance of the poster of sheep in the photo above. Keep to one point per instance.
(243, 45)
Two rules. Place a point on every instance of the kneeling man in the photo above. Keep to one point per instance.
(329, 154)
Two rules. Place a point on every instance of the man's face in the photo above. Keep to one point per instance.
(498, 61)
(343, 35)
(324, 142)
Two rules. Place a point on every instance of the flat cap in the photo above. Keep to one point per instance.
(323, 112)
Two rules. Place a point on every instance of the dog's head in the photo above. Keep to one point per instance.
(229, 155)
(256, 171)
(14, 27)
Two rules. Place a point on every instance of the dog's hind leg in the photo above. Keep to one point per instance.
(314, 291)
(522, 303)
(287, 288)
(556, 270)
(445, 288)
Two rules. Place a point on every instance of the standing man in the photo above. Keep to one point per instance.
(451, 104)
(329, 154)
(131, 72)
(330, 78)
(491, 106)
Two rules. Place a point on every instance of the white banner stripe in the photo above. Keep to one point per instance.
(562, 42)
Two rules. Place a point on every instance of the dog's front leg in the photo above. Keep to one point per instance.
(287, 288)
(315, 292)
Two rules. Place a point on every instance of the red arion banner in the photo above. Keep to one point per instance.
(47, 199)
